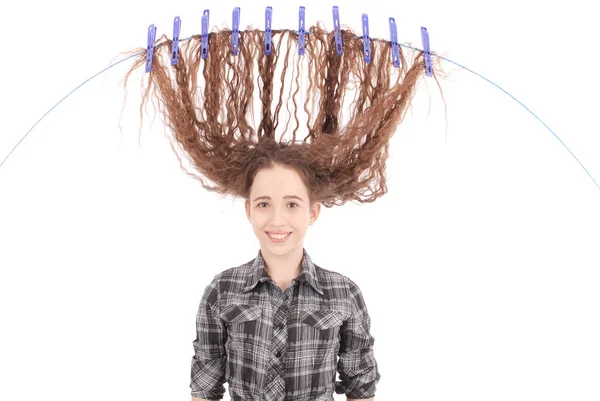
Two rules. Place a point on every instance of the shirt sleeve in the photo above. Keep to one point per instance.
(357, 366)
(209, 360)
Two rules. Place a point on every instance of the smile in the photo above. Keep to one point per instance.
(278, 238)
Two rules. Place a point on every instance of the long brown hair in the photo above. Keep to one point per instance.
(337, 161)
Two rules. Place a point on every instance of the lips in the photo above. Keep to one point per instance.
(278, 239)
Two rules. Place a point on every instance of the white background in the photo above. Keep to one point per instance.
(480, 267)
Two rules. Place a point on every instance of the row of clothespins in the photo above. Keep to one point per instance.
(301, 38)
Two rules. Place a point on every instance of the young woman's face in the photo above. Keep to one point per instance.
(277, 213)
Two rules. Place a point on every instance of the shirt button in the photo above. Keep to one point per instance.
(278, 354)
(280, 326)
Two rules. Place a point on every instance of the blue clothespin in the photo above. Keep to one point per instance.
(339, 47)
(150, 48)
(301, 31)
(394, 42)
(175, 46)
(205, 34)
(235, 33)
(268, 20)
(366, 39)
(426, 52)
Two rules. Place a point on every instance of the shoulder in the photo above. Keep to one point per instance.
(344, 284)
(231, 279)
(344, 289)
(330, 278)
(234, 273)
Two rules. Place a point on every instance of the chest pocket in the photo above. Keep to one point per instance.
(322, 320)
(318, 335)
(239, 313)
(242, 321)
(243, 336)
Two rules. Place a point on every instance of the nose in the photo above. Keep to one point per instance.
(277, 221)
(277, 217)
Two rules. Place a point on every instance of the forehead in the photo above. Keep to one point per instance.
(277, 182)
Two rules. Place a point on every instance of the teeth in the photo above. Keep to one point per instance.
(280, 236)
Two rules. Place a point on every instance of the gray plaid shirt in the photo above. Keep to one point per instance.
(271, 345)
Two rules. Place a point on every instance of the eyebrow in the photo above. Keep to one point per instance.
(285, 197)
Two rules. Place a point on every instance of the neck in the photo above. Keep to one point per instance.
(286, 266)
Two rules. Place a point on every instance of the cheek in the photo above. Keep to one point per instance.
(259, 220)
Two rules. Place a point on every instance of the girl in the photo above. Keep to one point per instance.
(279, 327)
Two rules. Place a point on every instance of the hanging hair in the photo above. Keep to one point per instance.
(336, 160)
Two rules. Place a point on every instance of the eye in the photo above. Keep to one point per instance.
(291, 203)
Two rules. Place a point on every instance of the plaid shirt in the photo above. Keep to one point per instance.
(271, 345)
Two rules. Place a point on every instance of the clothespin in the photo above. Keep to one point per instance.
(268, 20)
(235, 33)
(394, 42)
(339, 47)
(150, 47)
(175, 46)
(301, 31)
(426, 52)
(366, 39)
(205, 34)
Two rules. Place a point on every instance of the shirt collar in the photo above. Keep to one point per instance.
(258, 273)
